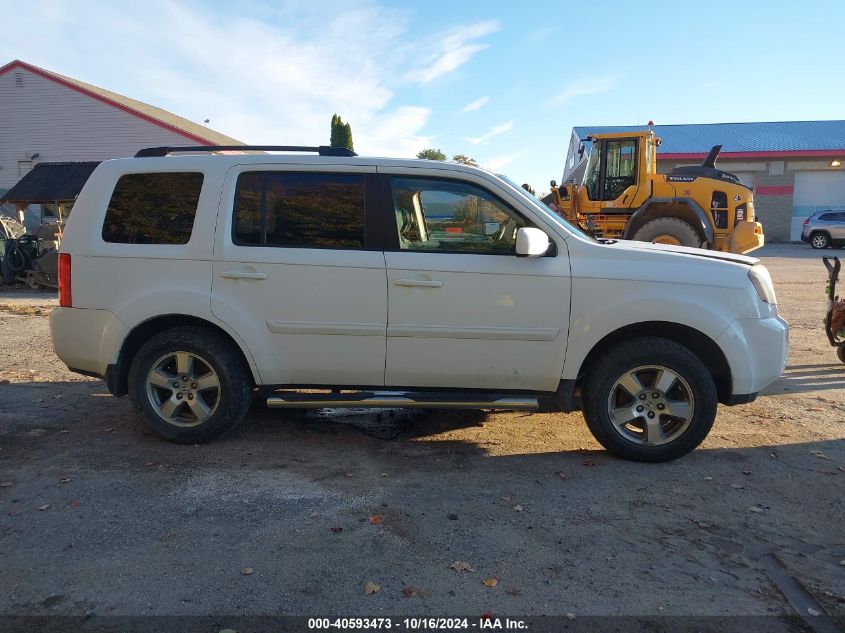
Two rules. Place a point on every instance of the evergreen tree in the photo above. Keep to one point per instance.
(341, 133)
(347, 136)
(335, 131)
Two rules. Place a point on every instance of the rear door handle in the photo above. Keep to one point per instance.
(239, 274)
(424, 283)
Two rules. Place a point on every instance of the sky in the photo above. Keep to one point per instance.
(502, 82)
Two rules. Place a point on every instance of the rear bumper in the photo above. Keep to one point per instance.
(757, 351)
(87, 340)
(805, 238)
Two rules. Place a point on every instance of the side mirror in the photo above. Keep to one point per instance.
(531, 242)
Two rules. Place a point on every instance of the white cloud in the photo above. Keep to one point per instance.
(580, 88)
(493, 132)
(451, 50)
(472, 106)
(499, 162)
(270, 74)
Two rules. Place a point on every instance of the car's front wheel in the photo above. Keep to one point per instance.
(191, 384)
(649, 399)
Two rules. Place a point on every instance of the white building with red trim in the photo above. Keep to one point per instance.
(47, 117)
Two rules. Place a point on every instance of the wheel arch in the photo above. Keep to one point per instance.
(684, 208)
(704, 347)
(117, 378)
(824, 232)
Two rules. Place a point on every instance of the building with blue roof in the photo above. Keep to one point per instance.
(796, 168)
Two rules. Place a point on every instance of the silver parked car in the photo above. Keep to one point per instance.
(825, 228)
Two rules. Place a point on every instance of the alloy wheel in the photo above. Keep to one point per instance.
(650, 405)
(183, 388)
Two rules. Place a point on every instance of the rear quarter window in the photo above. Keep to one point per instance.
(153, 208)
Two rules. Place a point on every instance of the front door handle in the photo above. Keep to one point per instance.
(424, 283)
(240, 274)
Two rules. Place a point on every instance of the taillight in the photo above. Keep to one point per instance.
(806, 220)
(65, 298)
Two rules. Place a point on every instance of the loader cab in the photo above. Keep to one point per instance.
(612, 167)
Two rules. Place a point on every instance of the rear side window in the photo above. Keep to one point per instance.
(155, 208)
(302, 210)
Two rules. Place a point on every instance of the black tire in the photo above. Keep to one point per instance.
(6, 274)
(677, 228)
(840, 353)
(231, 400)
(600, 385)
(819, 240)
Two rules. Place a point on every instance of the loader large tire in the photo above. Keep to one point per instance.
(668, 231)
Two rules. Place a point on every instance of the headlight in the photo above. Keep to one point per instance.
(762, 281)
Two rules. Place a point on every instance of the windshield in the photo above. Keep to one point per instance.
(540, 206)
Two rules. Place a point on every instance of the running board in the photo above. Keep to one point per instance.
(401, 401)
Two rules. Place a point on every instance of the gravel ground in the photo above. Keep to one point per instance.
(98, 516)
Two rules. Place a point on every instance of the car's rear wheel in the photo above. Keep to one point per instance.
(191, 384)
(840, 353)
(649, 399)
(819, 240)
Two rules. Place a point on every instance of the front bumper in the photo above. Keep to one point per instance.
(757, 351)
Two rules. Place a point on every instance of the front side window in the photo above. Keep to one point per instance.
(299, 209)
(153, 208)
(451, 216)
(619, 168)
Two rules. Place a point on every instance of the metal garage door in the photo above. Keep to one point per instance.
(816, 191)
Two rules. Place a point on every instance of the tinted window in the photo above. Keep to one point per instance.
(450, 216)
(305, 210)
(153, 208)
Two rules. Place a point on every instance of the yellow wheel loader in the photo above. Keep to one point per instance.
(618, 194)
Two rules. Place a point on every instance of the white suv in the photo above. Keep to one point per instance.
(193, 281)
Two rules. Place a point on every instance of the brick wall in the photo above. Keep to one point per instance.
(773, 202)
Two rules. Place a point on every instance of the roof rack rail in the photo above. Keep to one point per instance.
(322, 150)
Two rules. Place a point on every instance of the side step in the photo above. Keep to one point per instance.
(402, 400)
